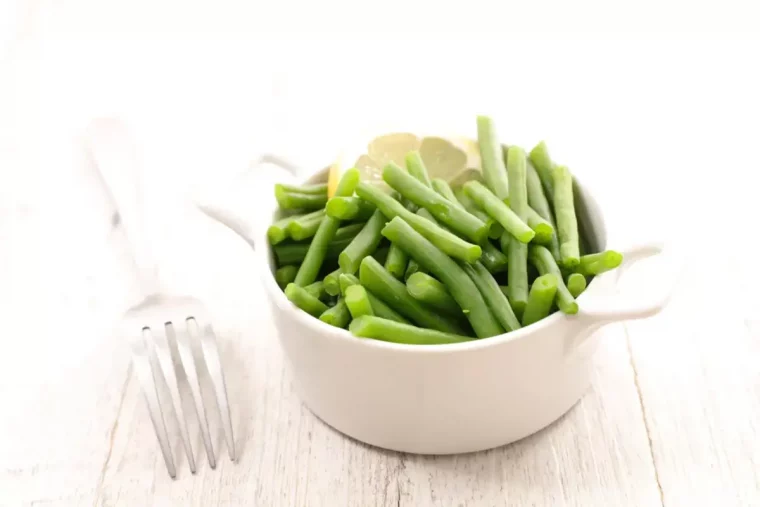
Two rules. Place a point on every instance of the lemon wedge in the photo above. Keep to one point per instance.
(453, 159)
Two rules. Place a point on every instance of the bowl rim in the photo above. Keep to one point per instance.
(266, 257)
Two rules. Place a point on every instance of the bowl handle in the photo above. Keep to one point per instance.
(238, 203)
(637, 309)
(589, 320)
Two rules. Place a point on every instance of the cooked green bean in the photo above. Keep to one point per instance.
(459, 285)
(349, 208)
(383, 285)
(397, 261)
(364, 244)
(295, 200)
(305, 301)
(381, 254)
(412, 268)
(428, 290)
(285, 275)
(492, 159)
(543, 260)
(317, 289)
(444, 190)
(331, 283)
(315, 256)
(306, 226)
(541, 298)
(504, 240)
(576, 284)
(494, 228)
(539, 155)
(538, 201)
(598, 263)
(543, 229)
(416, 167)
(451, 244)
(317, 188)
(493, 259)
(517, 252)
(338, 315)
(499, 211)
(378, 306)
(390, 331)
(358, 302)
(448, 213)
(567, 222)
(495, 299)
(295, 253)
(278, 231)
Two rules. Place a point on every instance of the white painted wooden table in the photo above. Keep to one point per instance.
(672, 417)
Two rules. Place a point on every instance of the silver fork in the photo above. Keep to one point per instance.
(151, 324)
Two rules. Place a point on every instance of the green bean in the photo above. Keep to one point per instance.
(504, 290)
(538, 201)
(331, 284)
(412, 268)
(306, 226)
(358, 302)
(285, 275)
(451, 244)
(338, 315)
(517, 253)
(598, 263)
(390, 331)
(543, 229)
(444, 190)
(428, 290)
(294, 200)
(495, 299)
(541, 298)
(542, 258)
(539, 155)
(493, 259)
(494, 228)
(295, 253)
(311, 265)
(305, 301)
(317, 289)
(567, 222)
(278, 231)
(318, 188)
(397, 261)
(576, 284)
(492, 159)
(378, 306)
(499, 211)
(416, 167)
(458, 219)
(381, 283)
(349, 208)
(364, 244)
(504, 241)
(381, 254)
(459, 285)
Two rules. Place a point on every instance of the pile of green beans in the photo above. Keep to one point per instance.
(428, 264)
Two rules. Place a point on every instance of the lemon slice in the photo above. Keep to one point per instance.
(455, 159)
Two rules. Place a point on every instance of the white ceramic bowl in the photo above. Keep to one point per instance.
(444, 399)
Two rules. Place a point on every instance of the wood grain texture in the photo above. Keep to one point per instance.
(699, 375)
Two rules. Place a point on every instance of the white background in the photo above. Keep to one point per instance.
(655, 104)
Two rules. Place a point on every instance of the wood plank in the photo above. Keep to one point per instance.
(698, 372)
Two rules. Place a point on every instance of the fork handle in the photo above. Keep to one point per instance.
(114, 153)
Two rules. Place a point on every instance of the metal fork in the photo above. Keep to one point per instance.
(151, 324)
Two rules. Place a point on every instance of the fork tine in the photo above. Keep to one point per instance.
(146, 377)
(188, 362)
(161, 344)
(214, 365)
